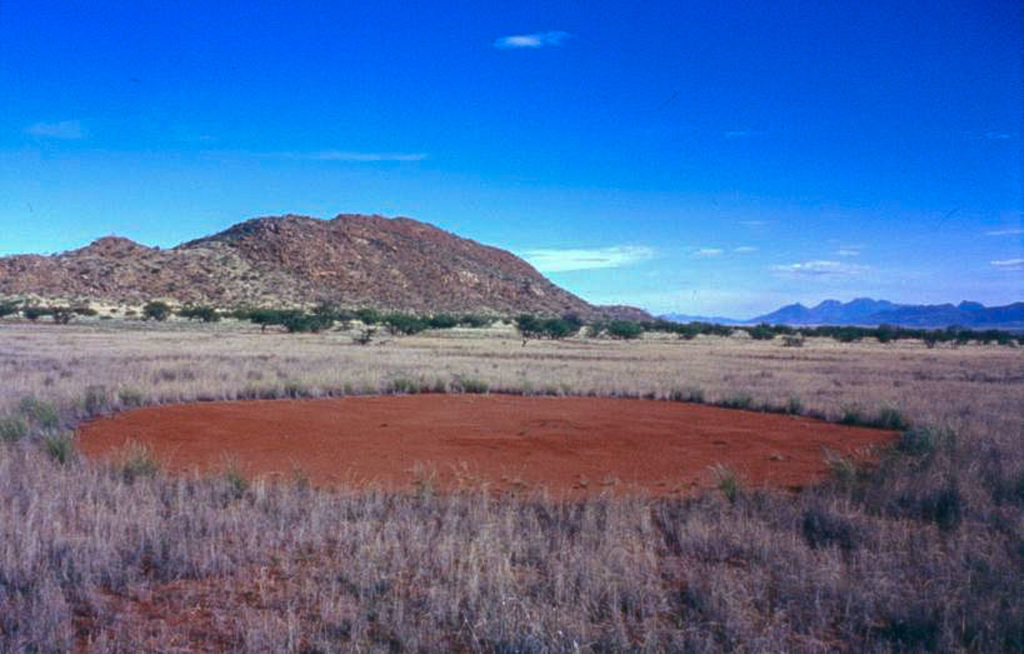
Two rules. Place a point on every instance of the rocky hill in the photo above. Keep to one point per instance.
(354, 260)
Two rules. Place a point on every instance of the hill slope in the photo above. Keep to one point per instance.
(355, 260)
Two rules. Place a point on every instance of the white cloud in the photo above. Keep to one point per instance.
(1009, 264)
(848, 251)
(745, 249)
(564, 260)
(1005, 232)
(820, 268)
(65, 129)
(705, 253)
(753, 223)
(531, 41)
(342, 155)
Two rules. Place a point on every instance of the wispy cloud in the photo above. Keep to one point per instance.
(66, 129)
(565, 260)
(1013, 231)
(820, 268)
(753, 223)
(744, 133)
(345, 155)
(1000, 136)
(532, 41)
(1009, 264)
(848, 251)
(707, 253)
(745, 249)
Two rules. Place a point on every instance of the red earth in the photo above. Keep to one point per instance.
(571, 446)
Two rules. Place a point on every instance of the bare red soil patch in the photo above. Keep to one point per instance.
(569, 445)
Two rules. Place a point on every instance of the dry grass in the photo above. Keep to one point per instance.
(924, 552)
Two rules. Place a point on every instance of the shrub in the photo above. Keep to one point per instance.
(61, 315)
(297, 322)
(60, 448)
(85, 310)
(553, 328)
(130, 397)
(364, 337)
(726, 481)
(368, 316)
(890, 418)
(692, 394)
(793, 340)
(625, 330)
(136, 461)
(38, 412)
(35, 313)
(156, 310)
(203, 313)
(404, 324)
(738, 401)
(8, 308)
(96, 400)
(12, 428)
(823, 528)
(475, 321)
(442, 321)
(762, 332)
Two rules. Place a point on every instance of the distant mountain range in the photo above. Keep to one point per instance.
(868, 312)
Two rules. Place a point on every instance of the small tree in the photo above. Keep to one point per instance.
(8, 308)
(156, 310)
(625, 329)
(35, 313)
(62, 315)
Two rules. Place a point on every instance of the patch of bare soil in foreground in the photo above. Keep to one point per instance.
(573, 446)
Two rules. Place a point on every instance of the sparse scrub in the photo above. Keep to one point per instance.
(916, 553)
(136, 461)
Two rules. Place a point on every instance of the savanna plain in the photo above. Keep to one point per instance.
(915, 546)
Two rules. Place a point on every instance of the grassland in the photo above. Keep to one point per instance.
(924, 551)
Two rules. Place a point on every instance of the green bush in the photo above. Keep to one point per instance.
(39, 413)
(12, 428)
(404, 324)
(762, 332)
(8, 308)
(368, 316)
(624, 329)
(159, 311)
(442, 321)
(203, 313)
(61, 315)
(35, 313)
(60, 448)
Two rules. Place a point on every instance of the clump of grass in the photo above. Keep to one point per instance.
(890, 417)
(60, 448)
(823, 528)
(235, 479)
(853, 415)
(297, 390)
(469, 385)
(842, 469)
(130, 397)
(794, 406)
(726, 481)
(921, 441)
(12, 428)
(96, 400)
(693, 394)
(738, 401)
(401, 386)
(137, 461)
(39, 413)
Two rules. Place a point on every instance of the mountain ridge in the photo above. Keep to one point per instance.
(351, 259)
(868, 312)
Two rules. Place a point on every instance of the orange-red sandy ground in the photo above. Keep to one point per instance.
(572, 446)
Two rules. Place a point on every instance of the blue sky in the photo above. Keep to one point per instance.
(707, 158)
